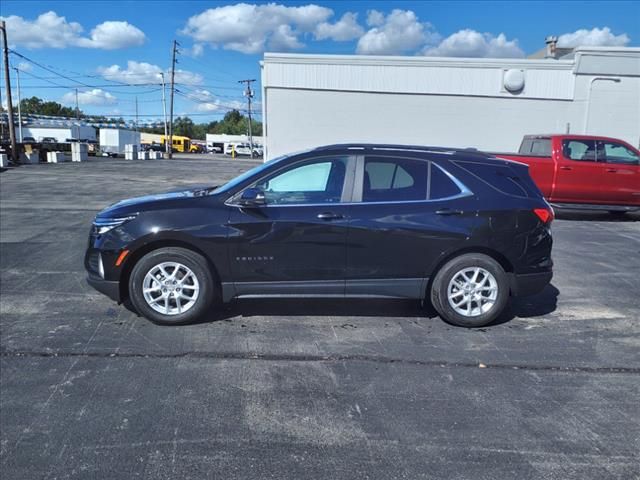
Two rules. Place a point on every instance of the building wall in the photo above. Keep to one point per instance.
(311, 100)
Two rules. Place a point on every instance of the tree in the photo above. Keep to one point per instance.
(183, 126)
(36, 106)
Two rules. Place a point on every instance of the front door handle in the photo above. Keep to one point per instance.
(612, 170)
(565, 168)
(448, 211)
(330, 216)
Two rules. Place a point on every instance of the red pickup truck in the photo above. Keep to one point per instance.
(581, 171)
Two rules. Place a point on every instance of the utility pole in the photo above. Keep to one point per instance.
(19, 107)
(173, 87)
(136, 114)
(249, 94)
(12, 131)
(77, 106)
(164, 112)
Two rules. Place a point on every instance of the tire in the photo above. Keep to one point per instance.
(173, 305)
(484, 305)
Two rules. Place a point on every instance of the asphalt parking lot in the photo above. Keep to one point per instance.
(305, 389)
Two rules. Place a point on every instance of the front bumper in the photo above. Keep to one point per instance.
(109, 288)
(529, 283)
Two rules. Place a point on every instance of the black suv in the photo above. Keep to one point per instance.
(460, 228)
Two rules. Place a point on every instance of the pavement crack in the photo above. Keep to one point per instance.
(318, 358)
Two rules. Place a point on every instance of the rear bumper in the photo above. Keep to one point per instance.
(109, 288)
(530, 283)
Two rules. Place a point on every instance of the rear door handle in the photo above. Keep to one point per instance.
(565, 168)
(448, 211)
(330, 216)
(612, 170)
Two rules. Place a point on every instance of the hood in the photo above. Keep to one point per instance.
(154, 201)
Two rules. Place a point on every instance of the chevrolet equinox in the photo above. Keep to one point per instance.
(459, 228)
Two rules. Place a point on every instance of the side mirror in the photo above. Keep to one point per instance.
(252, 197)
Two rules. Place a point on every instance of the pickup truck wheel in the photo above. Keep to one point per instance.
(172, 286)
(471, 290)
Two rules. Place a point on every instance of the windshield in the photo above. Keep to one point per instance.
(248, 174)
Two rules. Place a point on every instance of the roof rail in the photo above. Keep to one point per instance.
(419, 148)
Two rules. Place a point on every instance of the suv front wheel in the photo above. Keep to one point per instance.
(172, 286)
(471, 290)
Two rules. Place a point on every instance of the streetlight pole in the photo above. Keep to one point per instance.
(249, 94)
(19, 107)
(12, 131)
(164, 112)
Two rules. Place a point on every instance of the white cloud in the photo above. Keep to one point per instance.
(469, 43)
(250, 28)
(596, 37)
(197, 50)
(96, 96)
(25, 67)
(284, 38)
(114, 35)
(345, 29)
(142, 72)
(400, 32)
(205, 101)
(375, 18)
(49, 30)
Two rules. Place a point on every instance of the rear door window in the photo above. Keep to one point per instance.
(580, 150)
(394, 179)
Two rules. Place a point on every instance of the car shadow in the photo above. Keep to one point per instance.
(533, 306)
(596, 216)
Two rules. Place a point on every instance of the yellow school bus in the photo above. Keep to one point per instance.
(180, 144)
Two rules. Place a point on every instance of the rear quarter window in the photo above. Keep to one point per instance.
(441, 186)
(500, 177)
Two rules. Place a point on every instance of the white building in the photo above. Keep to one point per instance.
(62, 134)
(312, 100)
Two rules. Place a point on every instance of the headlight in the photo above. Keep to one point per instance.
(103, 225)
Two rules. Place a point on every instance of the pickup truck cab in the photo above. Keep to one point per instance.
(583, 171)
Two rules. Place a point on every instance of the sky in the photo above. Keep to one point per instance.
(115, 52)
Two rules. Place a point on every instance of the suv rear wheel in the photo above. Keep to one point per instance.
(172, 286)
(471, 290)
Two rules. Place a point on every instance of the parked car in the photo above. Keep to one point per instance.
(28, 140)
(583, 171)
(214, 149)
(153, 147)
(241, 149)
(464, 230)
(49, 140)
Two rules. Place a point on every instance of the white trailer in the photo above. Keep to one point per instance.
(113, 140)
(61, 134)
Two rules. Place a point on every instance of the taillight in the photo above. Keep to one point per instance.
(545, 215)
